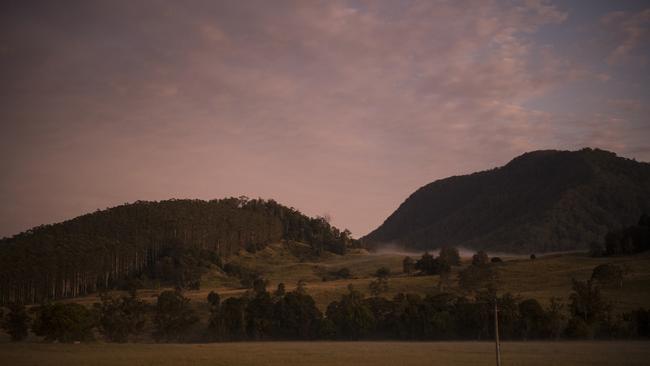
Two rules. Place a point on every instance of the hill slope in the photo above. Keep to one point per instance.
(169, 241)
(540, 201)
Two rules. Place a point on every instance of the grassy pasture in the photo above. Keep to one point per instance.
(547, 276)
(327, 353)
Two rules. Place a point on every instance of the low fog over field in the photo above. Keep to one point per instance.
(394, 249)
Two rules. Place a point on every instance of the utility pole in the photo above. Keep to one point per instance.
(496, 333)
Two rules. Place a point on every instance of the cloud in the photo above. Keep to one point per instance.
(633, 32)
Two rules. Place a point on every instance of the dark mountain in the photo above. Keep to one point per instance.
(539, 202)
(167, 241)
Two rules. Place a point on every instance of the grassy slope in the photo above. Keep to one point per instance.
(328, 353)
(546, 277)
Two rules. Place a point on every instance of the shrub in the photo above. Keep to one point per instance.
(606, 274)
(16, 322)
(121, 317)
(382, 272)
(64, 322)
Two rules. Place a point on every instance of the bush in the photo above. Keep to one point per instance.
(429, 265)
(480, 258)
(475, 277)
(340, 274)
(64, 322)
(378, 286)
(382, 272)
(16, 322)
(606, 274)
(121, 317)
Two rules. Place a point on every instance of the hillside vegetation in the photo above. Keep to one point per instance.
(542, 201)
(322, 292)
(150, 243)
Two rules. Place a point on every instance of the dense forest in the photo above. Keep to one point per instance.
(169, 241)
(541, 201)
(630, 240)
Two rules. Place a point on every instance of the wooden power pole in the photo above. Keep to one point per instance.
(496, 333)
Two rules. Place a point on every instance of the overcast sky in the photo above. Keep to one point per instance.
(336, 107)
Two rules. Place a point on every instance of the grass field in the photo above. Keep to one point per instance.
(548, 276)
(327, 353)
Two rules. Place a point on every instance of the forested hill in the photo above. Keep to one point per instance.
(539, 202)
(165, 240)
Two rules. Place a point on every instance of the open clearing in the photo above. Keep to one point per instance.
(328, 353)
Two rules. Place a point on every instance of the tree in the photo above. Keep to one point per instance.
(233, 316)
(378, 286)
(302, 286)
(215, 324)
(427, 264)
(532, 319)
(606, 274)
(586, 301)
(343, 273)
(476, 277)
(63, 322)
(350, 316)
(16, 322)
(408, 265)
(173, 316)
(587, 307)
(121, 317)
(382, 272)
(555, 318)
(480, 258)
(259, 285)
(450, 255)
(214, 299)
(295, 316)
(280, 291)
(407, 318)
(259, 313)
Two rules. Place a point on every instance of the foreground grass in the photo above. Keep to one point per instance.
(328, 353)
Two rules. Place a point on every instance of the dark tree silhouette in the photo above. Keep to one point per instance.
(16, 322)
(63, 322)
(173, 316)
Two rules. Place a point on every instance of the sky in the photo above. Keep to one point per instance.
(337, 108)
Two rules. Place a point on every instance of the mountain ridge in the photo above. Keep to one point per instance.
(540, 201)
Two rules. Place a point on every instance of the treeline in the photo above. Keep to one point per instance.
(293, 315)
(167, 241)
(630, 240)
